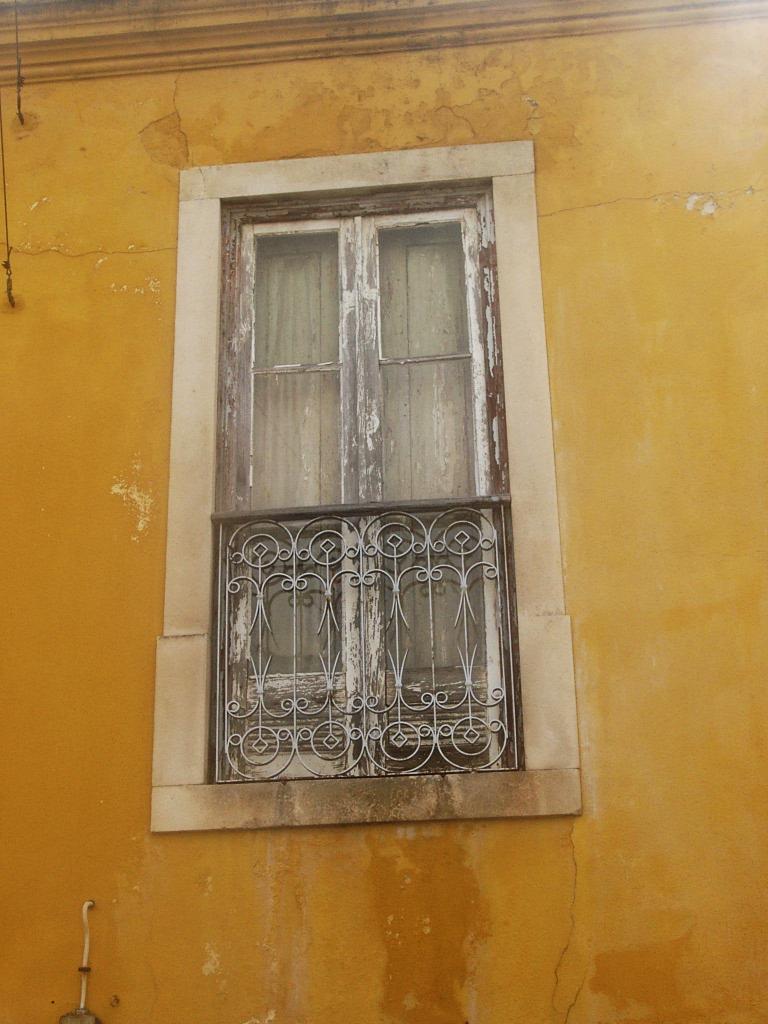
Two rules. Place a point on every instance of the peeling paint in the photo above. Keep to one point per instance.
(212, 964)
(138, 499)
(706, 205)
(654, 326)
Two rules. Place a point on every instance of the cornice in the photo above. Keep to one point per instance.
(72, 39)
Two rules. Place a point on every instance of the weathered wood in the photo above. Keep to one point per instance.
(491, 338)
(429, 199)
(233, 441)
(360, 362)
(354, 509)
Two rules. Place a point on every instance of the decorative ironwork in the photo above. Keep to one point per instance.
(364, 641)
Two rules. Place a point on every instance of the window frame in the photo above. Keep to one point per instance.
(182, 798)
(360, 363)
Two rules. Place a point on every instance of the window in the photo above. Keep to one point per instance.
(351, 485)
(363, 600)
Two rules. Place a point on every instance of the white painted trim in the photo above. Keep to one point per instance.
(181, 799)
(181, 711)
(538, 564)
(193, 421)
(357, 170)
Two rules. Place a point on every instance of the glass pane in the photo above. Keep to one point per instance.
(423, 291)
(428, 429)
(296, 446)
(296, 300)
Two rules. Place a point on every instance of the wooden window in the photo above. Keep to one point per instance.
(364, 664)
(363, 593)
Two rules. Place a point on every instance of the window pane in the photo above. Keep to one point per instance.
(297, 300)
(423, 291)
(428, 429)
(296, 450)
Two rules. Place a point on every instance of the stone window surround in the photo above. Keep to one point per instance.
(182, 797)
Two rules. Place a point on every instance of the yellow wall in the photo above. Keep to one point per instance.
(652, 149)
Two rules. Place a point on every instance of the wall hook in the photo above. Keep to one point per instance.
(82, 1014)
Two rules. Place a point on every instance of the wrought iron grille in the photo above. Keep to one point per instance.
(365, 640)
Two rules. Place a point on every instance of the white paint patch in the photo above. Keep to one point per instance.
(241, 630)
(212, 963)
(37, 202)
(702, 203)
(139, 500)
(372, 429)
(270, 1017)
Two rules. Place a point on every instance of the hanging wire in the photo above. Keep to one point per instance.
(6, 263)
(19, 79)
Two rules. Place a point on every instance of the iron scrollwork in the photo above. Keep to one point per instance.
(364, 644)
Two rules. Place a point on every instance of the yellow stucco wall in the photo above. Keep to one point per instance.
(652, 149)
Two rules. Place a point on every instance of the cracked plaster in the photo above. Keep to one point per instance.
(676, 847)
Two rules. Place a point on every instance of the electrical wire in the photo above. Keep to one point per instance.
(19, 79)
(6, 263)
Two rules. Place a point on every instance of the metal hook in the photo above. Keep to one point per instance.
(6, 265)
(84, 968)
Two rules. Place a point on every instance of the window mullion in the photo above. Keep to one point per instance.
(370, 449)
(369, 418)
(348, 321)
(236, 398)
(351, 601)
(471, 241)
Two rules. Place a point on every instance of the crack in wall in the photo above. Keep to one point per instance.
(459, 117)
(92, 252)
(164, 139)
(569, 938)
(182, 131)
(692, 200)
(575, 999)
